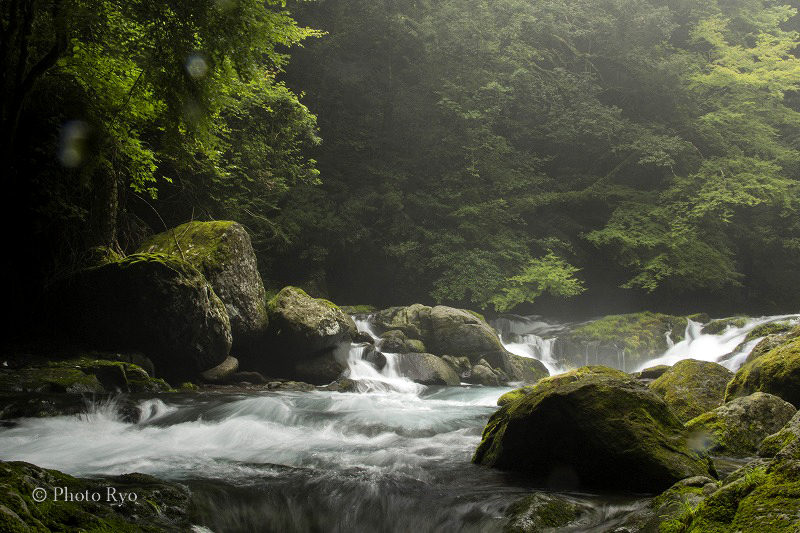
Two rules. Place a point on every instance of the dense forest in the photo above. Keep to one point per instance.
(628, 154)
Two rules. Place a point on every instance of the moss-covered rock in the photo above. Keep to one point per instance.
(459, 332)
(772, 328)
(79, 375)
(766, 498)
(514, 395)
(426, 369)
(637, 337)
(483, 374)
(395, 341)
(651, 373)
(524, 369)
(692, 387)
(152, 303)
(414, 321)
(718, 325)
(158, 506)
(308, 339)
(591, 427)
(770, 342)
(222, 251)
(358, 309)
(776, 372)
(541, 512)
(774, 443)
(737, 428)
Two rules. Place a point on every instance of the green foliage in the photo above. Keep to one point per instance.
(548, 274)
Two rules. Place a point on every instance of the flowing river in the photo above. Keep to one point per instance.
(393, 457)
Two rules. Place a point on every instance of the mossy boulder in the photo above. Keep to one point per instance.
(159, 506)
(771, 341)
(737, 428)
(651, 373)
(718, 325)
(414, 321)
(395, 341)
(774, 443)
(81, 375)
(151, 303)
(483, 374)
(307, 340)
(461, 333)
(222, 251)
(692, 387)
(620, 340)
(591, 427)
(776, 372)
(426, 369)
(541, 512)
(766, 497)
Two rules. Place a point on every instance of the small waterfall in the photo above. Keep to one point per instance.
(535, 347)
(715, 348)
(367, 377)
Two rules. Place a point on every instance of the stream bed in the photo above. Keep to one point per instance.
(313, 461)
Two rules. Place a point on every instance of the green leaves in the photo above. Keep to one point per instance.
(550, 274)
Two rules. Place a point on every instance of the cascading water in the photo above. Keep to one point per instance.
(726, 348)
(537, 338)
(394, 458)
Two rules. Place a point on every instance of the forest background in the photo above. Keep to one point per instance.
(497, 155)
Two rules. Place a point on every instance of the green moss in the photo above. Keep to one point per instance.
(514, 395)
(776, 442)
(358, 309)
(638, 334)
(692, 387)
(188, 386)
(197, 242)
(776, 372)
(717, 326)
(769, 329)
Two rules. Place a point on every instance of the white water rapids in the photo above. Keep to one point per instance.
(394, 456)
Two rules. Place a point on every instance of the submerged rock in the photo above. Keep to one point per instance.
(152, 303)
(692, 387)
(776, 372)
(222, 251)
(426, 369)
(591, 427)
(158, 506)
(737, 428)
(541, 512)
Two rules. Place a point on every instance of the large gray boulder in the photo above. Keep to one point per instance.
(592, 427)
(151, 303)
(307, 339)
(737, 428)
(460, 333)
(426, 369)
(222, 251)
